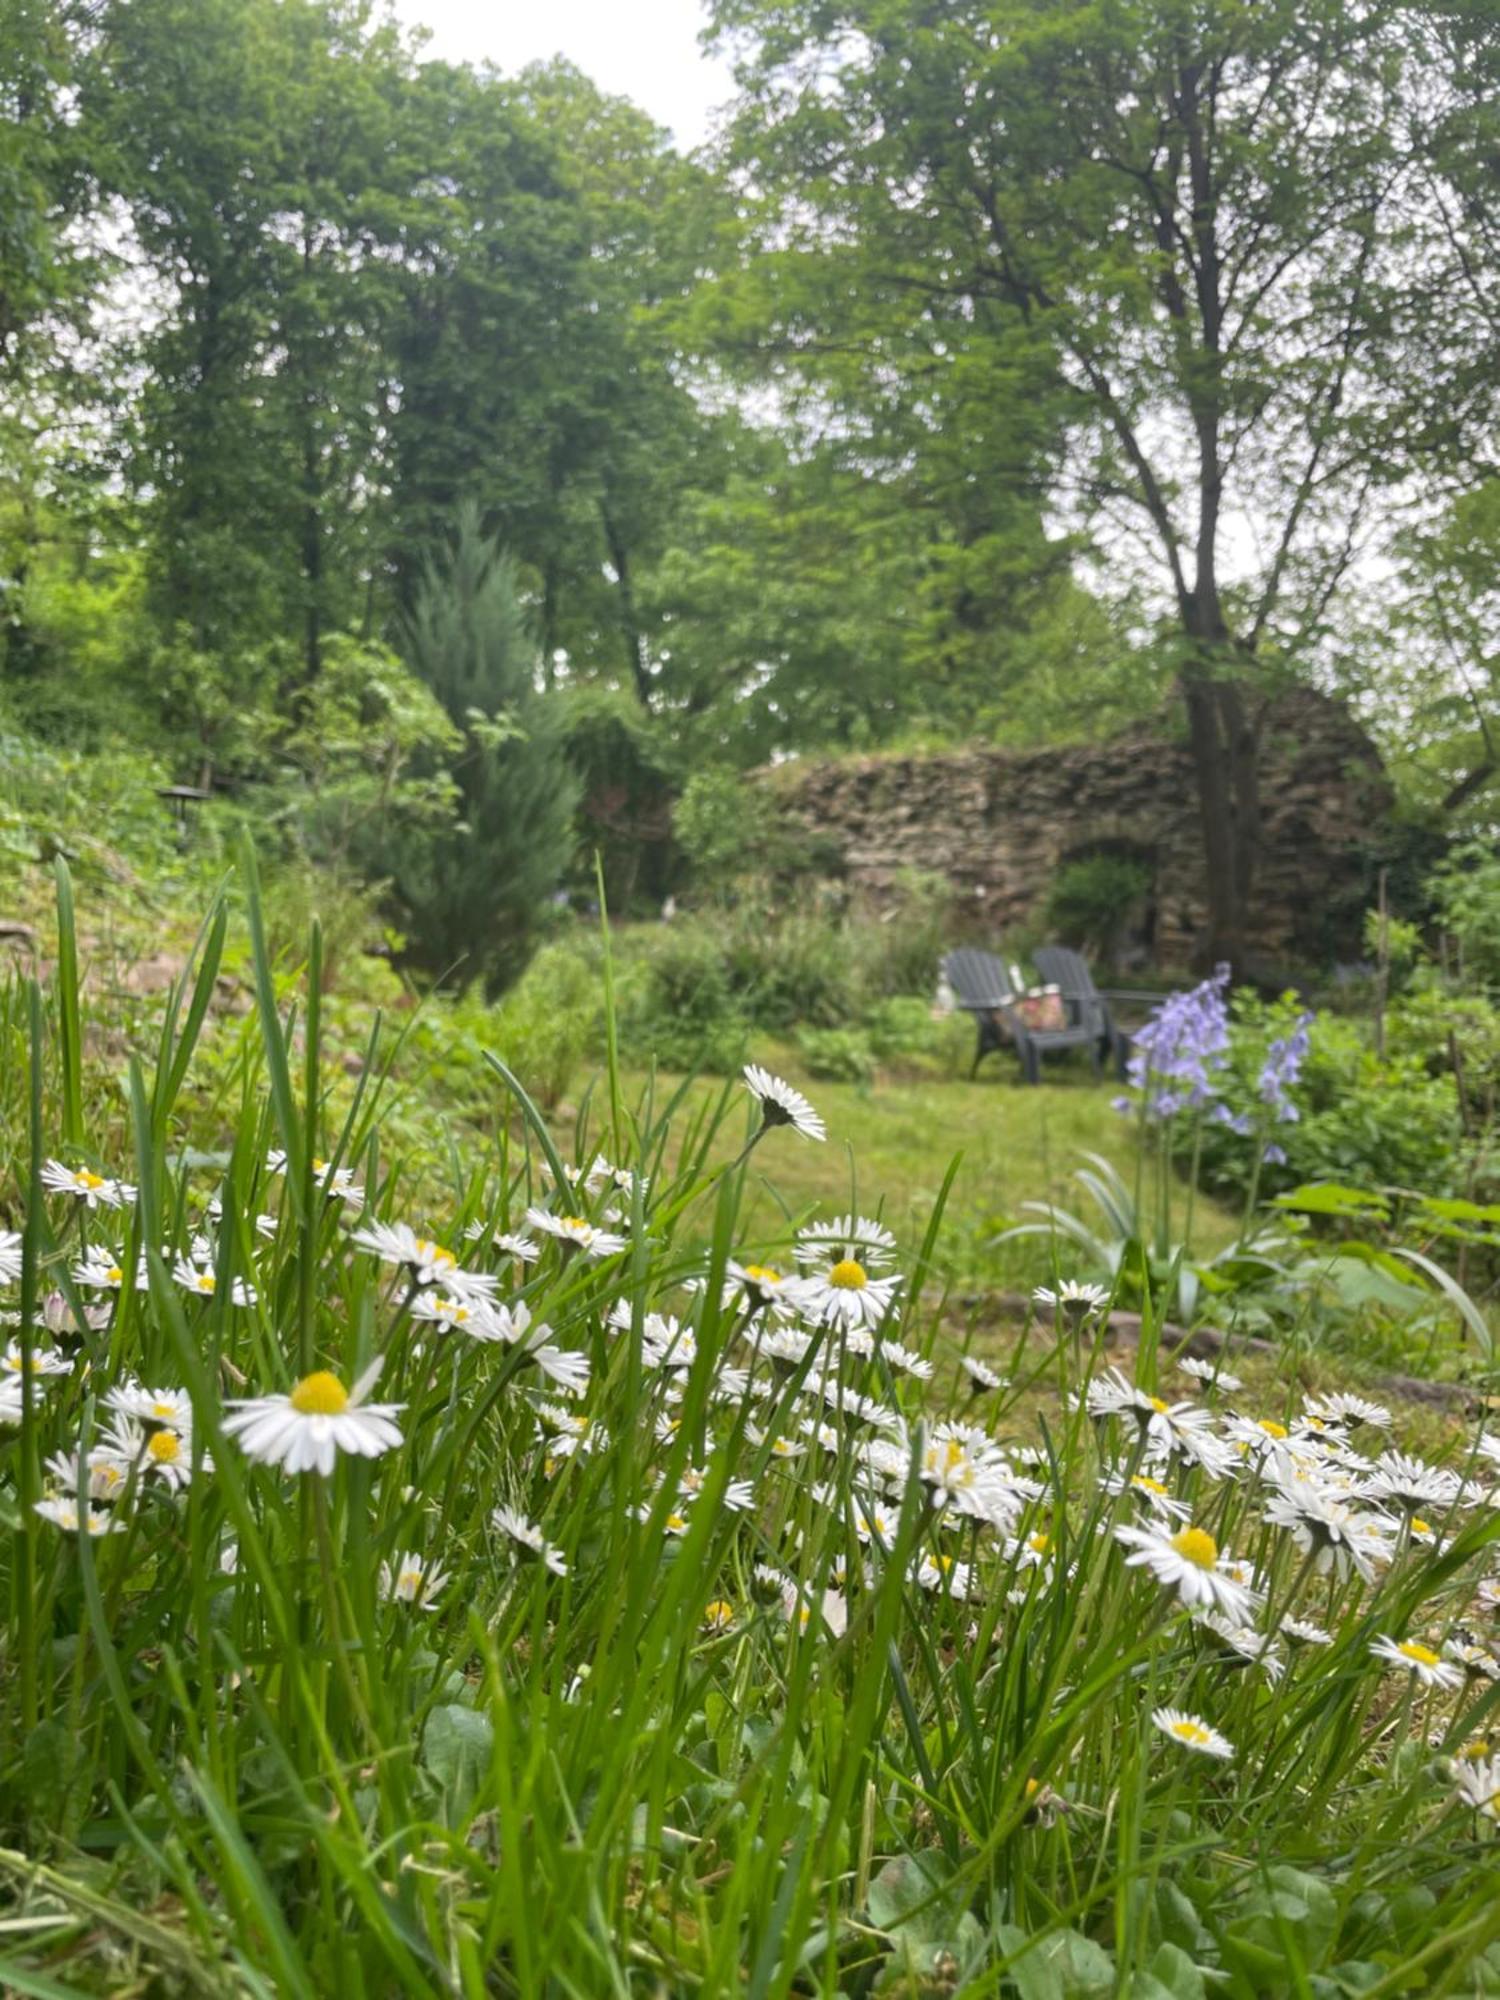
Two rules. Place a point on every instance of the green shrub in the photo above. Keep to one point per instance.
(551, 1019)
(796, 968)
(725, 827)
(897, 950)
(1090, 900)
(680, 1008)
(838, 1055)
(1360, 1120)
(1466, 890)
(471, 893)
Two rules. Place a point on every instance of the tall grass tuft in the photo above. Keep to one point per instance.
(661, 1611)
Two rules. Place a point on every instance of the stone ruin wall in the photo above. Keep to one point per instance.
(999, 824)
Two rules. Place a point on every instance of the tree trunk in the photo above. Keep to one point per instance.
(635, 645)
(1225, 748)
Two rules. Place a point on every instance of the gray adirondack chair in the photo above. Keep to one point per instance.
(982, 987)
(1069, 972)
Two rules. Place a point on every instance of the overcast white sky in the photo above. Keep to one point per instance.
(646, 50)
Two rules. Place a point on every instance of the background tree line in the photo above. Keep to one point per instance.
(451, 463)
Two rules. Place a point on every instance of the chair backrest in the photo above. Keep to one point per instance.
(978, 978)
(1069, 972)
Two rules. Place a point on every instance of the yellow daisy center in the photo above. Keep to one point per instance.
(762, 1274)
(1415, 1651)
(165, 1447)
(1197, 1546)
(575, 1222)
(1419, 1526)
(114, 1274)
(1271, 1428)
(84, 1179)
(676, 1522)
(1149, 1485)
(718, 1614)
(409, 1581)
(320, 1395)
(163, 1409)
(1190, 1732)
(1158, 1405)
(1041, 1543)
(205, 1281)
(848, 1276)
(433, 1253)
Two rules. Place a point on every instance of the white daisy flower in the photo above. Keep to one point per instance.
(966, 1472)
(1211, 1373)
(847, 1236)
(169, 1407)
(1477, 1661)
(520, 1249)
(905, 1360)
(1192, 1732)
(576, 1232)
(846, 1295)
(1430, 1668)
(336, 1182)
(93, 1190)
(201, 1279)
(45, 1361)
(10, 1257)
(426, 1263)
(102, 1473)
(448, 1313)
(1152, 1492)
(411, 1579)
(832, 1610)
(759, 1285)
(561, 1365)
(781, 1105)
(981, 1375)
(1298, 1632)
(942, 1574)
(1412, 1485)
(1073, 1298)
(64, 1514)
(100, 1270)
(307, 1429)
(1246, 1646)
(1255, 1435)
(1188, 1562)
(165, 1454)
(1338, 1537)
(1477, 1783)
(1348, 1411)
(508, 1522)
(624, 1180)
(789, 1345)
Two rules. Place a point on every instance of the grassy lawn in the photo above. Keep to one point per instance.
(890, 1146)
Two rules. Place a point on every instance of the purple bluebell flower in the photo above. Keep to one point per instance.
(1283, 1065)
(1181, 1046)
(1273, 1156)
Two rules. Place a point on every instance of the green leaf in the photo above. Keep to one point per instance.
(1287, 1920)
(907, 1895)
(456, 1748)
(1329, 1198)
(1176, 1973)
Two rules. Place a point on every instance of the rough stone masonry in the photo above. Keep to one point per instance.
(998, 824)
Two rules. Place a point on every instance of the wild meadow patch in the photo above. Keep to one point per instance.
(568, 1590)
